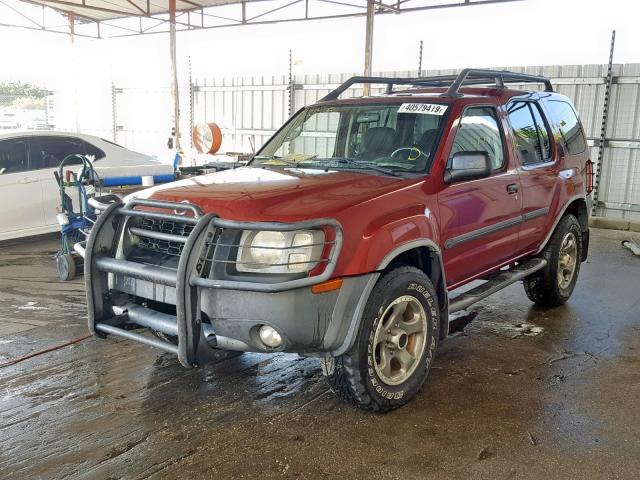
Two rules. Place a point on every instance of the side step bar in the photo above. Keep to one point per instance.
(500, 281)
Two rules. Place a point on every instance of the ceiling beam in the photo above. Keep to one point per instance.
(382, 8)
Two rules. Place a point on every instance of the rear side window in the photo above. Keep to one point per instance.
(567, 126)
(52, 150)
(530, 132)
(13, 156)
(479, 131)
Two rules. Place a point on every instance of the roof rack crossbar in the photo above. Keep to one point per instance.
(468, 76)
(500, 77)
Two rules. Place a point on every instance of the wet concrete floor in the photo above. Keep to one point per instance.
(521, 392)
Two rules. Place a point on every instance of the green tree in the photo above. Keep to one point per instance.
(22, 90)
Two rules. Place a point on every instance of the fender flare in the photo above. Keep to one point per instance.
(440, 287)
(563, 210)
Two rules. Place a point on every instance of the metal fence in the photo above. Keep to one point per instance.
(250, 109)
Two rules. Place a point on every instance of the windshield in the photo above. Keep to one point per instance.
(381, 137)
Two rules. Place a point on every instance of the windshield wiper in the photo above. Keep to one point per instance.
(367, 166)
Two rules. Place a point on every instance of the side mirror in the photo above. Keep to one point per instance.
(468, 166)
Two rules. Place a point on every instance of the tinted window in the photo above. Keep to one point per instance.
(48, 152)
(530, 132)
(13, 156)
(479, 131)
(567, 125)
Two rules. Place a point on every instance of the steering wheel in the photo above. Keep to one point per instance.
(414, 153)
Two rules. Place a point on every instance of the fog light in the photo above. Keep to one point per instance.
(269, 336)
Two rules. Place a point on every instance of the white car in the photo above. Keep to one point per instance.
(29, 194)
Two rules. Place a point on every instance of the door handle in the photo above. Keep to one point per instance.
(28, 180)
(512, 188)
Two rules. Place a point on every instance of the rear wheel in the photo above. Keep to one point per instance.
(396, 343)
(553, 285)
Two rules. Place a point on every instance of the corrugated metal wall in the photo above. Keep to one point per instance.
(251, 109)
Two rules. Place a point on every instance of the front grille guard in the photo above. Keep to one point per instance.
(101, 253)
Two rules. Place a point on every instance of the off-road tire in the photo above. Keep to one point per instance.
(352, 376)
(543, 287)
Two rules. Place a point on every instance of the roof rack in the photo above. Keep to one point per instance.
(468, 76)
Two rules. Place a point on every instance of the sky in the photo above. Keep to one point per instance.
(532, 32)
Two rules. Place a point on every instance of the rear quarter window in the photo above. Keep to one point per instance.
(94, 151)
(566, 126)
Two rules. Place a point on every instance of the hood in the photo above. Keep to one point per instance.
(286, 194)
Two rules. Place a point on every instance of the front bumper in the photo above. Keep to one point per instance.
(200, 310)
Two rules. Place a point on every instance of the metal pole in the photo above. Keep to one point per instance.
(114, 121)
(368, 45)
(191, 100)
(603, 128)
(174, 75)
(72, 35)
(420, 60)
(291, 91)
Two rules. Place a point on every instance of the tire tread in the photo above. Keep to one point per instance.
(343, 373)
(541, 287)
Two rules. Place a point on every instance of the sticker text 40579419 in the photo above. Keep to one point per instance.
(423, 108)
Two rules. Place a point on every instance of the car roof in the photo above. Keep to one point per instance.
(46, 133)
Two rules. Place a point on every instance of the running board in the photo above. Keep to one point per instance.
(495, 284)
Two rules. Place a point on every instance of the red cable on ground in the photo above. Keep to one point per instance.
(41, 352)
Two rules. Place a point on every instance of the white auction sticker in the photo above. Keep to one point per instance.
(423, 108)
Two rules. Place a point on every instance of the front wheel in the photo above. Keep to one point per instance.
(553, 285)
(395, 346)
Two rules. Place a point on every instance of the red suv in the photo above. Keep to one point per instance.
(349, 232)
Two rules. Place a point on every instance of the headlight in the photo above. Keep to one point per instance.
(279, 252)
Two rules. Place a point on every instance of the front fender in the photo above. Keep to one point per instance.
(385, 234)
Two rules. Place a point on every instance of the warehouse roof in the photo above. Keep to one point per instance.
(112, 9)
(113, 18)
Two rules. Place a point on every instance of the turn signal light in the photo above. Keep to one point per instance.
(328, 286)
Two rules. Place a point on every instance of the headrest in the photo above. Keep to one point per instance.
(425, 143)
(379, 139)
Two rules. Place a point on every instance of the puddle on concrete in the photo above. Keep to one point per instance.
(491, 319)
(505, 329)
(29, 306)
